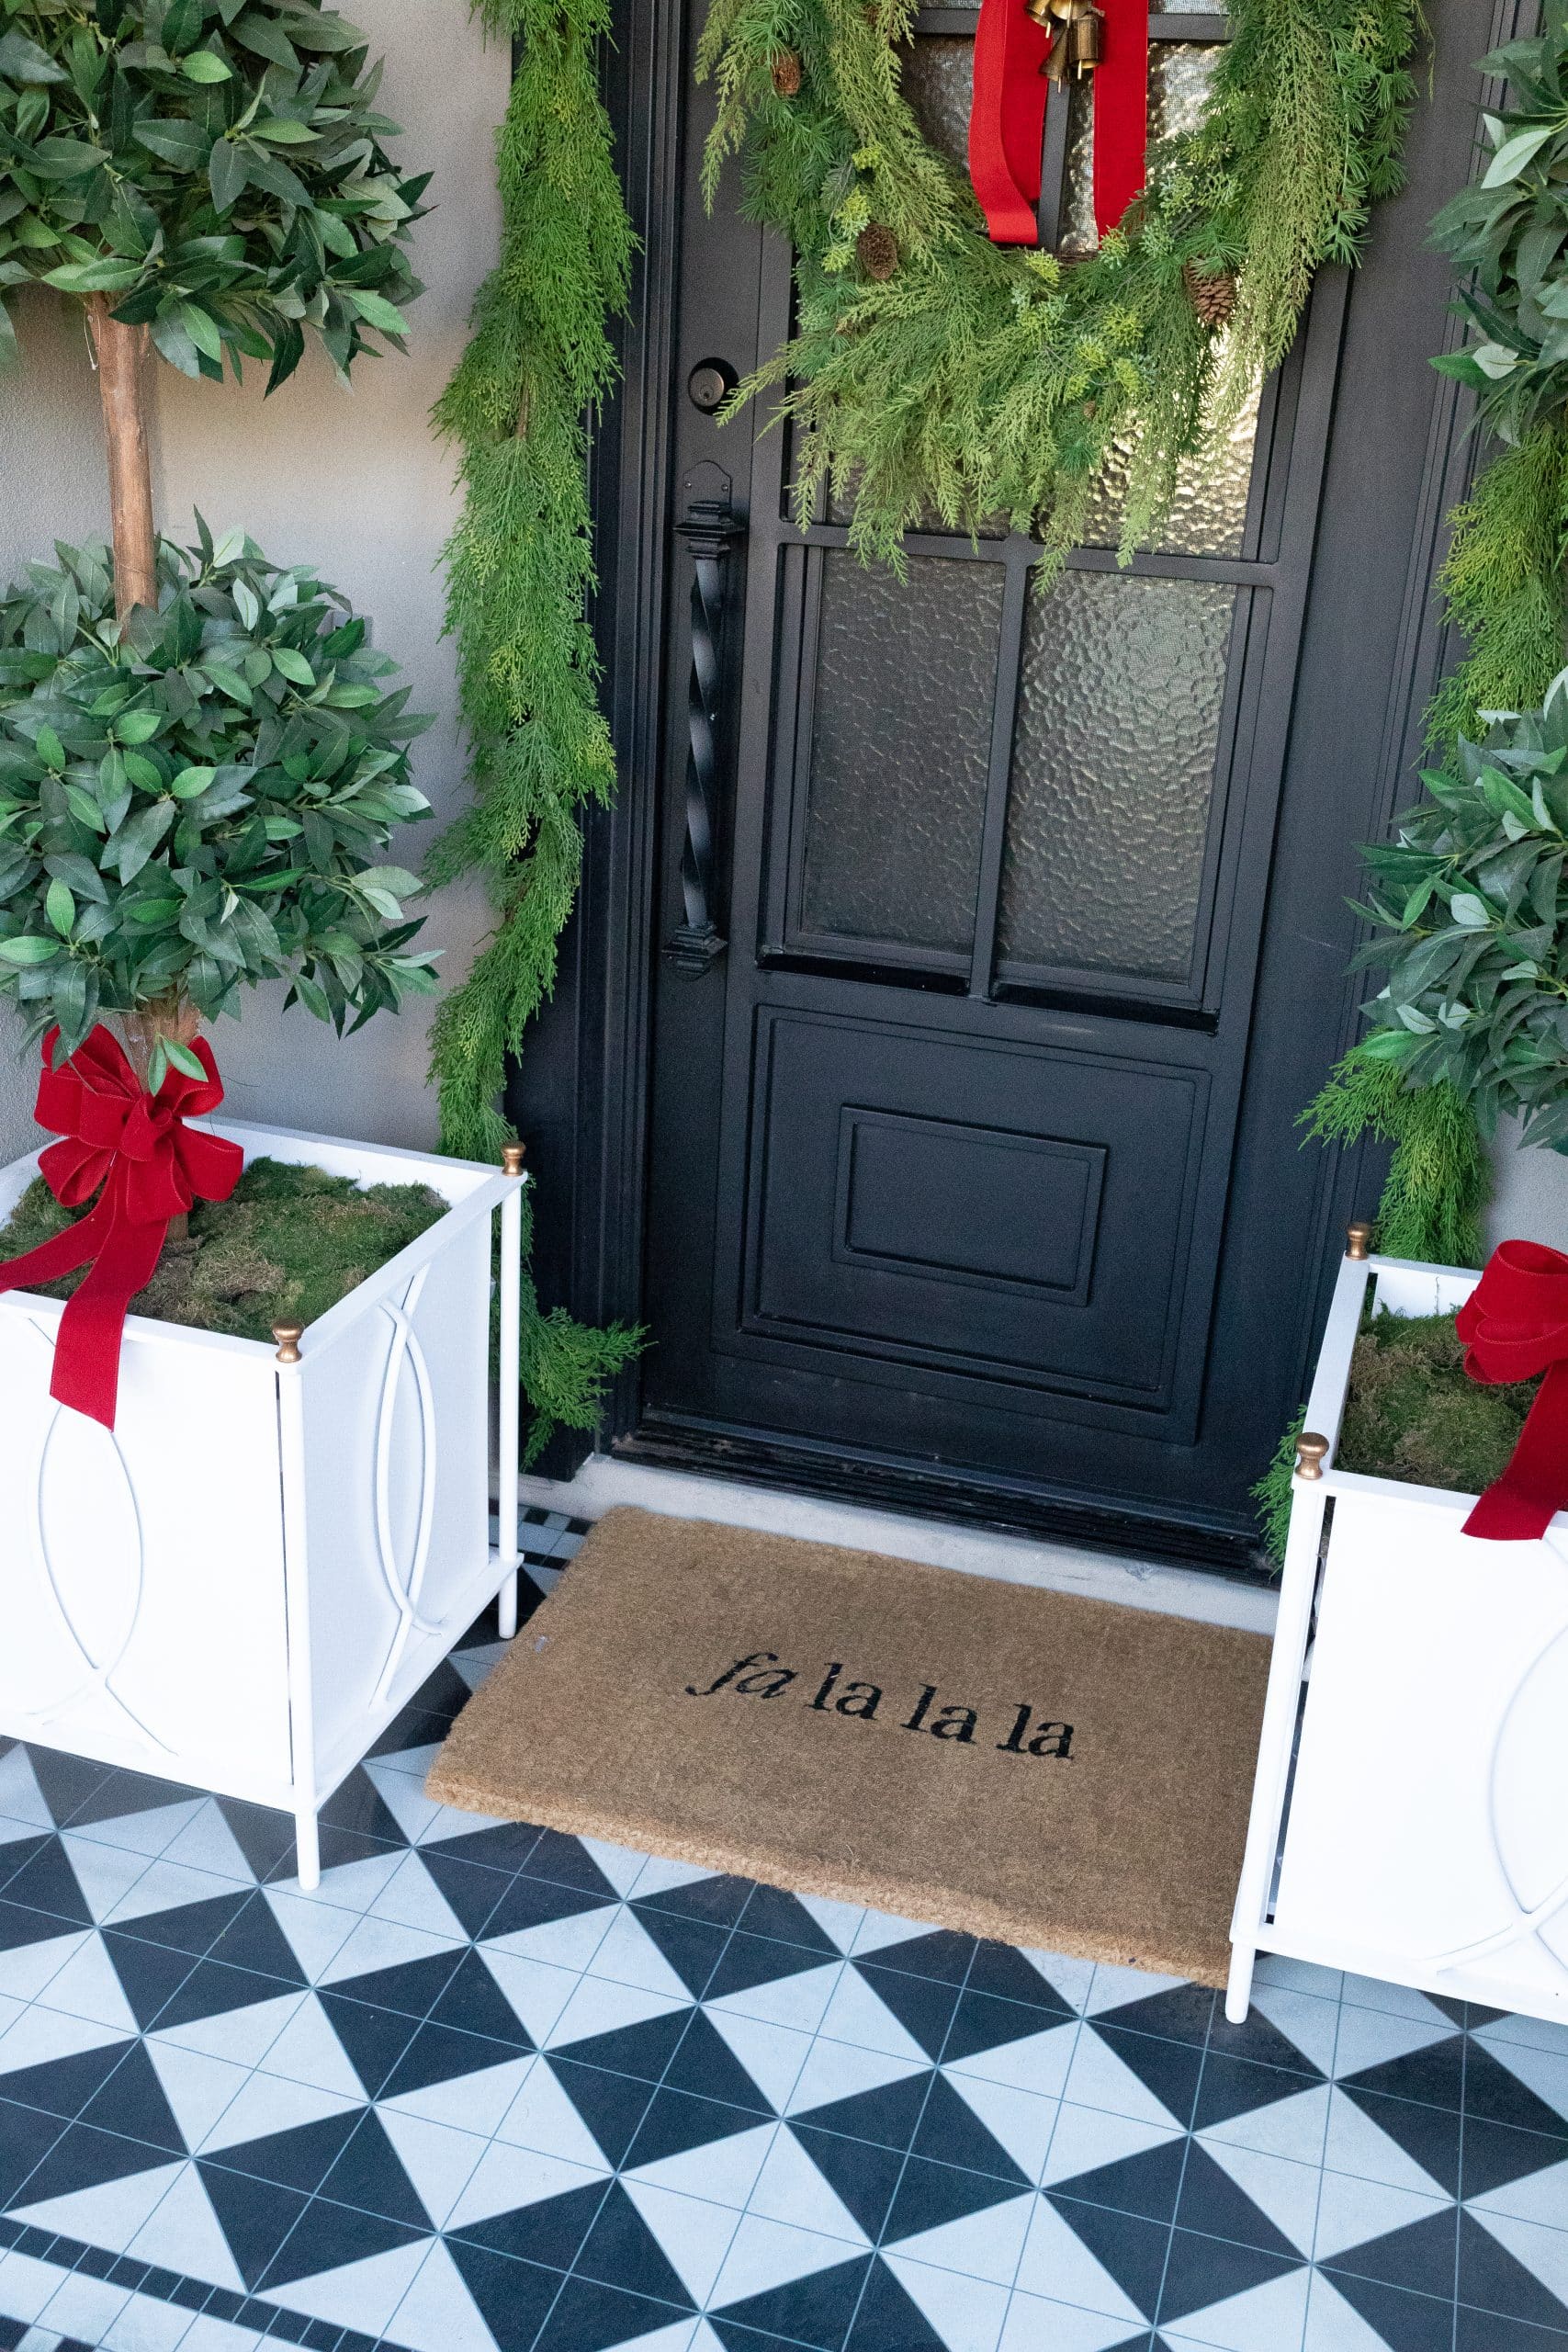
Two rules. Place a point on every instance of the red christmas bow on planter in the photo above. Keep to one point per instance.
(1514, 1325)
(151, 1167)
(1014, 66)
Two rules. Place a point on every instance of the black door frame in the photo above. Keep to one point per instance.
(1371, 653)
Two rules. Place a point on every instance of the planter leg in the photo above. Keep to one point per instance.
(1238, 1984)
(308, 1850)
(508, 1416)
(1292, 1630)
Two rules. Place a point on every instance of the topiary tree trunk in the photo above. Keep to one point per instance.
(122, 352)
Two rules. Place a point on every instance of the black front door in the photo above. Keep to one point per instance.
(972, 1169)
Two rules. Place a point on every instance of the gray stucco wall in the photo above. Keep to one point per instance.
(351, 480)
(1531, 1198)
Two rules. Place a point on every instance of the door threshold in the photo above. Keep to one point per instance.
(922, 1490)
(606, 1482)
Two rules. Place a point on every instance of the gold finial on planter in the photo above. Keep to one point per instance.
(288, 1336)
(512, 1158)
(1358, 1240)
(1310, 1452)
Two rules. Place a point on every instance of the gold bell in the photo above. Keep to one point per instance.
(1075, 26)
(1084, 40)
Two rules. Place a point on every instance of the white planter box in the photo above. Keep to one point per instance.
(243, 1584)
(1410, 1816)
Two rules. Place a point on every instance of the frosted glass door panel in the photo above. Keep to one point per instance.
(1120, 695)
(905, 693)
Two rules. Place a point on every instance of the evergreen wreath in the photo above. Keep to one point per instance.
(932, 368)
(520, 569)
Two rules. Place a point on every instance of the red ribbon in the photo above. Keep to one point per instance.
(1007, 124)
(150, 1166)
(1006, 119)
(1515, 1325)
(1121, 111)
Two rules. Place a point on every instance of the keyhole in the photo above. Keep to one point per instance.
(710, 384)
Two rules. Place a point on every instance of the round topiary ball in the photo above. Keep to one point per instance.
(216, 169)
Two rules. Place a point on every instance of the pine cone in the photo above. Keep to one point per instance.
(1212, 293)
(786, 72)
(877, 250)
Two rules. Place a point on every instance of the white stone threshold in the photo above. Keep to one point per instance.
(603, 1483)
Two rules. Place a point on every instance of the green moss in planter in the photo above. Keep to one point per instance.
(1415, 1414)
(288, 1245)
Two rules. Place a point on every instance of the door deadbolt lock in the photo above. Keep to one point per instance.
(710, 384)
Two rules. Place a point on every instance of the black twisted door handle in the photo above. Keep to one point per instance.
(709, 530)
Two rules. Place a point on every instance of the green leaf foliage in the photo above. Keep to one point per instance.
(1502, 584)
(1275, 1492)
(520, 569)
(1472, 913)
(566, 1366)
(217, 167)
(1504, 589)
(1505, 235)
(1439, 1179)
(203, 803)
(982, 377)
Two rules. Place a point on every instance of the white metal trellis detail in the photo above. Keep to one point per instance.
(404, 1593)
(1529, 1918)
(94, 1676)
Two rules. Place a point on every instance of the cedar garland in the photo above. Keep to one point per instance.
(520, 569)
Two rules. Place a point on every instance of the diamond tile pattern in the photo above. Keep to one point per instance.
(494, 2089)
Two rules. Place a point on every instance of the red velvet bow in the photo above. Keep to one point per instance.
(150, 1166)
(1007, 123)
(1514, 1325)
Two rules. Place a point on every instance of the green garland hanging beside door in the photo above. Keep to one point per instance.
(1504, 587)
(520, 569)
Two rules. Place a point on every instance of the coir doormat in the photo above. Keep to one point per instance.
(1019, 1764)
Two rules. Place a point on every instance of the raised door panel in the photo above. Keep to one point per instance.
(1019, 1212)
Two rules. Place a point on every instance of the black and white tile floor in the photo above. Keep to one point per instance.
(495, 2087)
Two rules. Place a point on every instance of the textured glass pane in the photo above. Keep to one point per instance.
(1208, 515)
(939, 81)
(1078, 233)
(1179, 76)
(905, 683)
(1120, 697)
(1180, 73)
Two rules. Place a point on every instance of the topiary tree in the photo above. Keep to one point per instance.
(205, 174)
(196, 768)
(196, 799)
